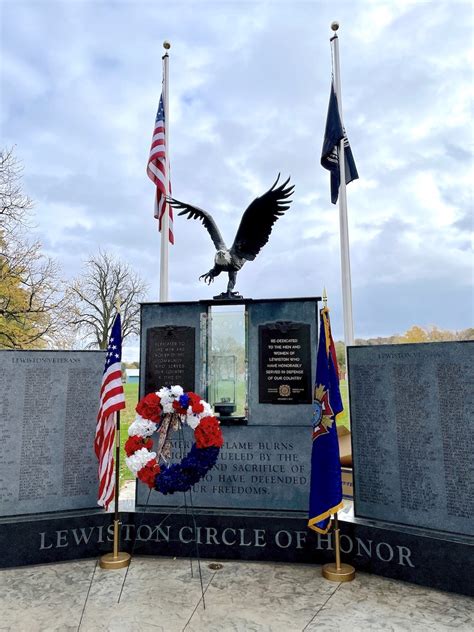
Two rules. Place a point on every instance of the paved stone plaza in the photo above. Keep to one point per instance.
(160, 594)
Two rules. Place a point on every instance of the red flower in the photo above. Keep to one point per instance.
(135, 443)
(195, 403)
(149, 407)
(149, 472)
(178, 408)
(208, 434)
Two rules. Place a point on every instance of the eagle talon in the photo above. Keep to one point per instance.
(208, 278)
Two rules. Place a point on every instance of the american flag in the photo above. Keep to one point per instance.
(156, 169)
(112, 399)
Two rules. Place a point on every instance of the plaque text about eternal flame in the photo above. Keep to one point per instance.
(284, 363)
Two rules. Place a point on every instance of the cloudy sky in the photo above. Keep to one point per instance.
(249, 87)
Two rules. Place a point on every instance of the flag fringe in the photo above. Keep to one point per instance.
(312, 523)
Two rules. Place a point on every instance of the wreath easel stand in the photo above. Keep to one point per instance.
(169, 409)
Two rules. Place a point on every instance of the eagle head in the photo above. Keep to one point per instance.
(222, 258)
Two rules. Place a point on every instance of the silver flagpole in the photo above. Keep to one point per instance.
(165, 222)
(343, 223)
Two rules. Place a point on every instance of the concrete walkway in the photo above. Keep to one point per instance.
(161, 595)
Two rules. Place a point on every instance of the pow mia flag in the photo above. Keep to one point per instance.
(330, 154)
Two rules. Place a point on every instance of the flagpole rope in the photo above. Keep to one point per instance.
(331, 47)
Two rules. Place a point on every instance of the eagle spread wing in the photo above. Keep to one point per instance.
(194, 212)
(257, 221)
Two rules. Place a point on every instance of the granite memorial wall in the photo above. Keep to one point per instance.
(412, 414)
(48, 406)
(411, 405)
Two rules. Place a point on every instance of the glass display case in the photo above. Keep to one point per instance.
(227, 367)
(224, 384)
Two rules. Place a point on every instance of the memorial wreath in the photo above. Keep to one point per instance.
(169, 409)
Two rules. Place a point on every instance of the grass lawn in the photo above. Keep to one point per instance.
(344, 418)
(126, 418)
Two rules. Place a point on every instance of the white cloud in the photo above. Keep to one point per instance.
(249, 89)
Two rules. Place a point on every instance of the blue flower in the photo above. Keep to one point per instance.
(180, 477)
(184, 401)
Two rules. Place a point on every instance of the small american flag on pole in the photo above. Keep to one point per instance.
(157, 169)
(112, 399)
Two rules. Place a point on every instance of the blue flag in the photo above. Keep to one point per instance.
(330, 155)
(325, 496)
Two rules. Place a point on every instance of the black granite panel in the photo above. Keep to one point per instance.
(412, 414)
(415, 556)
(170, 357)
(182, 363)
(410, 555)
(304, 313)
(55, 537)
(284, 363)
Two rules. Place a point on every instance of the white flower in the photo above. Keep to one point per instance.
(167, 407)
(139, 460)
(177, 391)
(193, 421)
(141, 427)
(164, 394)
(207, 409)
(166, 399)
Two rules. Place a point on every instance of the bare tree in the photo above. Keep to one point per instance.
(33, 303)
(14, 204)
(95, 291)
(32, 297)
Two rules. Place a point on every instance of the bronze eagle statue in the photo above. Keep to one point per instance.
(253, 233)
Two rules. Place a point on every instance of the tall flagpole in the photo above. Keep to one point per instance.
(343, 223)
(165, 220)
(340, 572)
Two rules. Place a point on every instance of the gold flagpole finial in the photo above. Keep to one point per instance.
(335, 25)
(166, 45)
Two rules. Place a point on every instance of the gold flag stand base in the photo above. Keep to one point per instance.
(338, 572)
(110, 561)
(117, 559)
(345, 572)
